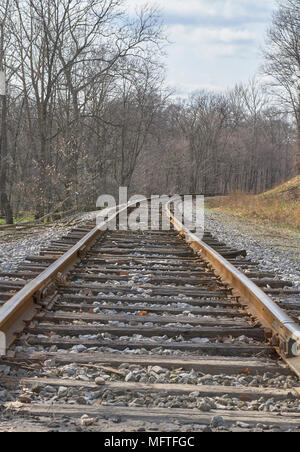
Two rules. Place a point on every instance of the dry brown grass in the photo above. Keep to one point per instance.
(280, 206)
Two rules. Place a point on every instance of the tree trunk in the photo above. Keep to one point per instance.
(3, 169)
(297, 156)
(3, 142)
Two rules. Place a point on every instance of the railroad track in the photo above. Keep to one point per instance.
(142, 330)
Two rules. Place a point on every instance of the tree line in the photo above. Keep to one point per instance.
(86, 110)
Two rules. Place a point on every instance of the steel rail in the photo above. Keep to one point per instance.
(285, 332)
(23, 306)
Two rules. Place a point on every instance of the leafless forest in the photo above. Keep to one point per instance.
(86, 110)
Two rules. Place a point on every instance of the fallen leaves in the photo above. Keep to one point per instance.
(25, 400)
(143, 313)
(52, 333)
(123, 273)
(97, 402)
(62, 280)
(212, 287)
(245, 398)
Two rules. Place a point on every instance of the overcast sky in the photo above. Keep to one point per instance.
(215, 43)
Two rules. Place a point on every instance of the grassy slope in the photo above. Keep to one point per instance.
(22, 220)
(279, 206)
(289, 191)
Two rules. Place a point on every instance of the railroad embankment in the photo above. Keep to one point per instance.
(279, 207)
(266, 225)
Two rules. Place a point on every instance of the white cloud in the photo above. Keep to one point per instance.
(215, 43)
(226, 9)
(180, 7)
(193, 35)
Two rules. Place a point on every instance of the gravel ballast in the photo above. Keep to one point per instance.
(14, 247)
(274, 249)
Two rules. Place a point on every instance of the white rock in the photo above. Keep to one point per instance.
(62, 391)
(87, 421)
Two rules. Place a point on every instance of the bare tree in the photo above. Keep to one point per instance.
(86, 110)
(282, 55)
(3, 141)
(59, 50)
(203, 123)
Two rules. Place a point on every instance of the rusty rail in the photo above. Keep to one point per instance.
(23, 306)
(285, 332)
